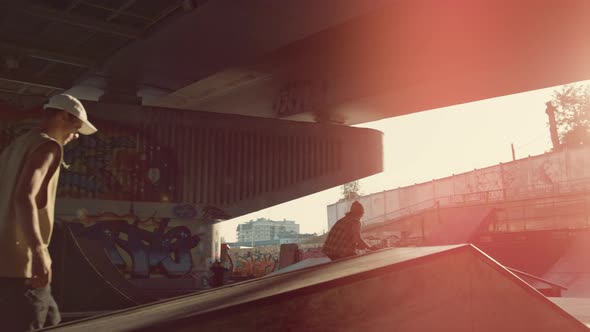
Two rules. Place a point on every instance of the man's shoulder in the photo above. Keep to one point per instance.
(31, 138)
(344, 223)
(45, 143)
(42, 151)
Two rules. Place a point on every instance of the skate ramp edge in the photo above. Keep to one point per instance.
(455, 288)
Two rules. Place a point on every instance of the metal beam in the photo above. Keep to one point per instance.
(83, 22)
(48, 55)
(36, 81)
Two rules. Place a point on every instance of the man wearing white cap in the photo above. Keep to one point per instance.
(29, 172)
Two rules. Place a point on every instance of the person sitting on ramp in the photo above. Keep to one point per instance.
(344, 239)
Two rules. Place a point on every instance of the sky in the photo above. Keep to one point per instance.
(430, 145)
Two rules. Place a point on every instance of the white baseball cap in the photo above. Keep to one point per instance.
(73, 106)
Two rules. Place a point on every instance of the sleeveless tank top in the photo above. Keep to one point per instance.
(15, 249)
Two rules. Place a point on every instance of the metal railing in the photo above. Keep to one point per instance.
(483, 197)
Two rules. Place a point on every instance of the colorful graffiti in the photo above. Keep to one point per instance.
(161, 252)
(117, 163)
(255, 262)
(121, 164)
(141, 249)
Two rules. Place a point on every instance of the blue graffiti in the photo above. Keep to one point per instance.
(186, 211)
(164, 251)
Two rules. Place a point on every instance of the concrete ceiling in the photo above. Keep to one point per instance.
(406, 57)
(339, 61)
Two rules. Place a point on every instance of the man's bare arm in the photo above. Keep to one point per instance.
(40, 164)
(360, 243)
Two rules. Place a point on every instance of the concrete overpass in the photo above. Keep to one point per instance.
(201, 103)
(341, 61)
(329, 62)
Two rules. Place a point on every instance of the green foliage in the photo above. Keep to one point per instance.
(572, 104)
(350, 190)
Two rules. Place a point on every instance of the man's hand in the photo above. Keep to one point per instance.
(41, 268)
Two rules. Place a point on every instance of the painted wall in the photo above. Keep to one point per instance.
(255, 262)
(145, 240)
(119, 162)
(262, 260)
(550, 173)
(118, 189)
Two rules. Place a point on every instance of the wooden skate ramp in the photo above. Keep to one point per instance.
(450, 288)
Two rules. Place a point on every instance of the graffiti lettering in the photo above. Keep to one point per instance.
(300, 96)
(255, 264)
(166, 251)
(121, 164)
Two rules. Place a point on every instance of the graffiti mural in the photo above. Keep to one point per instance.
(256, 262)
(142, 248)
(117, 163)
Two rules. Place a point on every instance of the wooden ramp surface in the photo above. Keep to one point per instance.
(456, 288)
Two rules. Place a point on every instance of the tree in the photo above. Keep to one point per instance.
(350, 190)
(572, 114)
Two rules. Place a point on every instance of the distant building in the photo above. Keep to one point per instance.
(264, 230)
